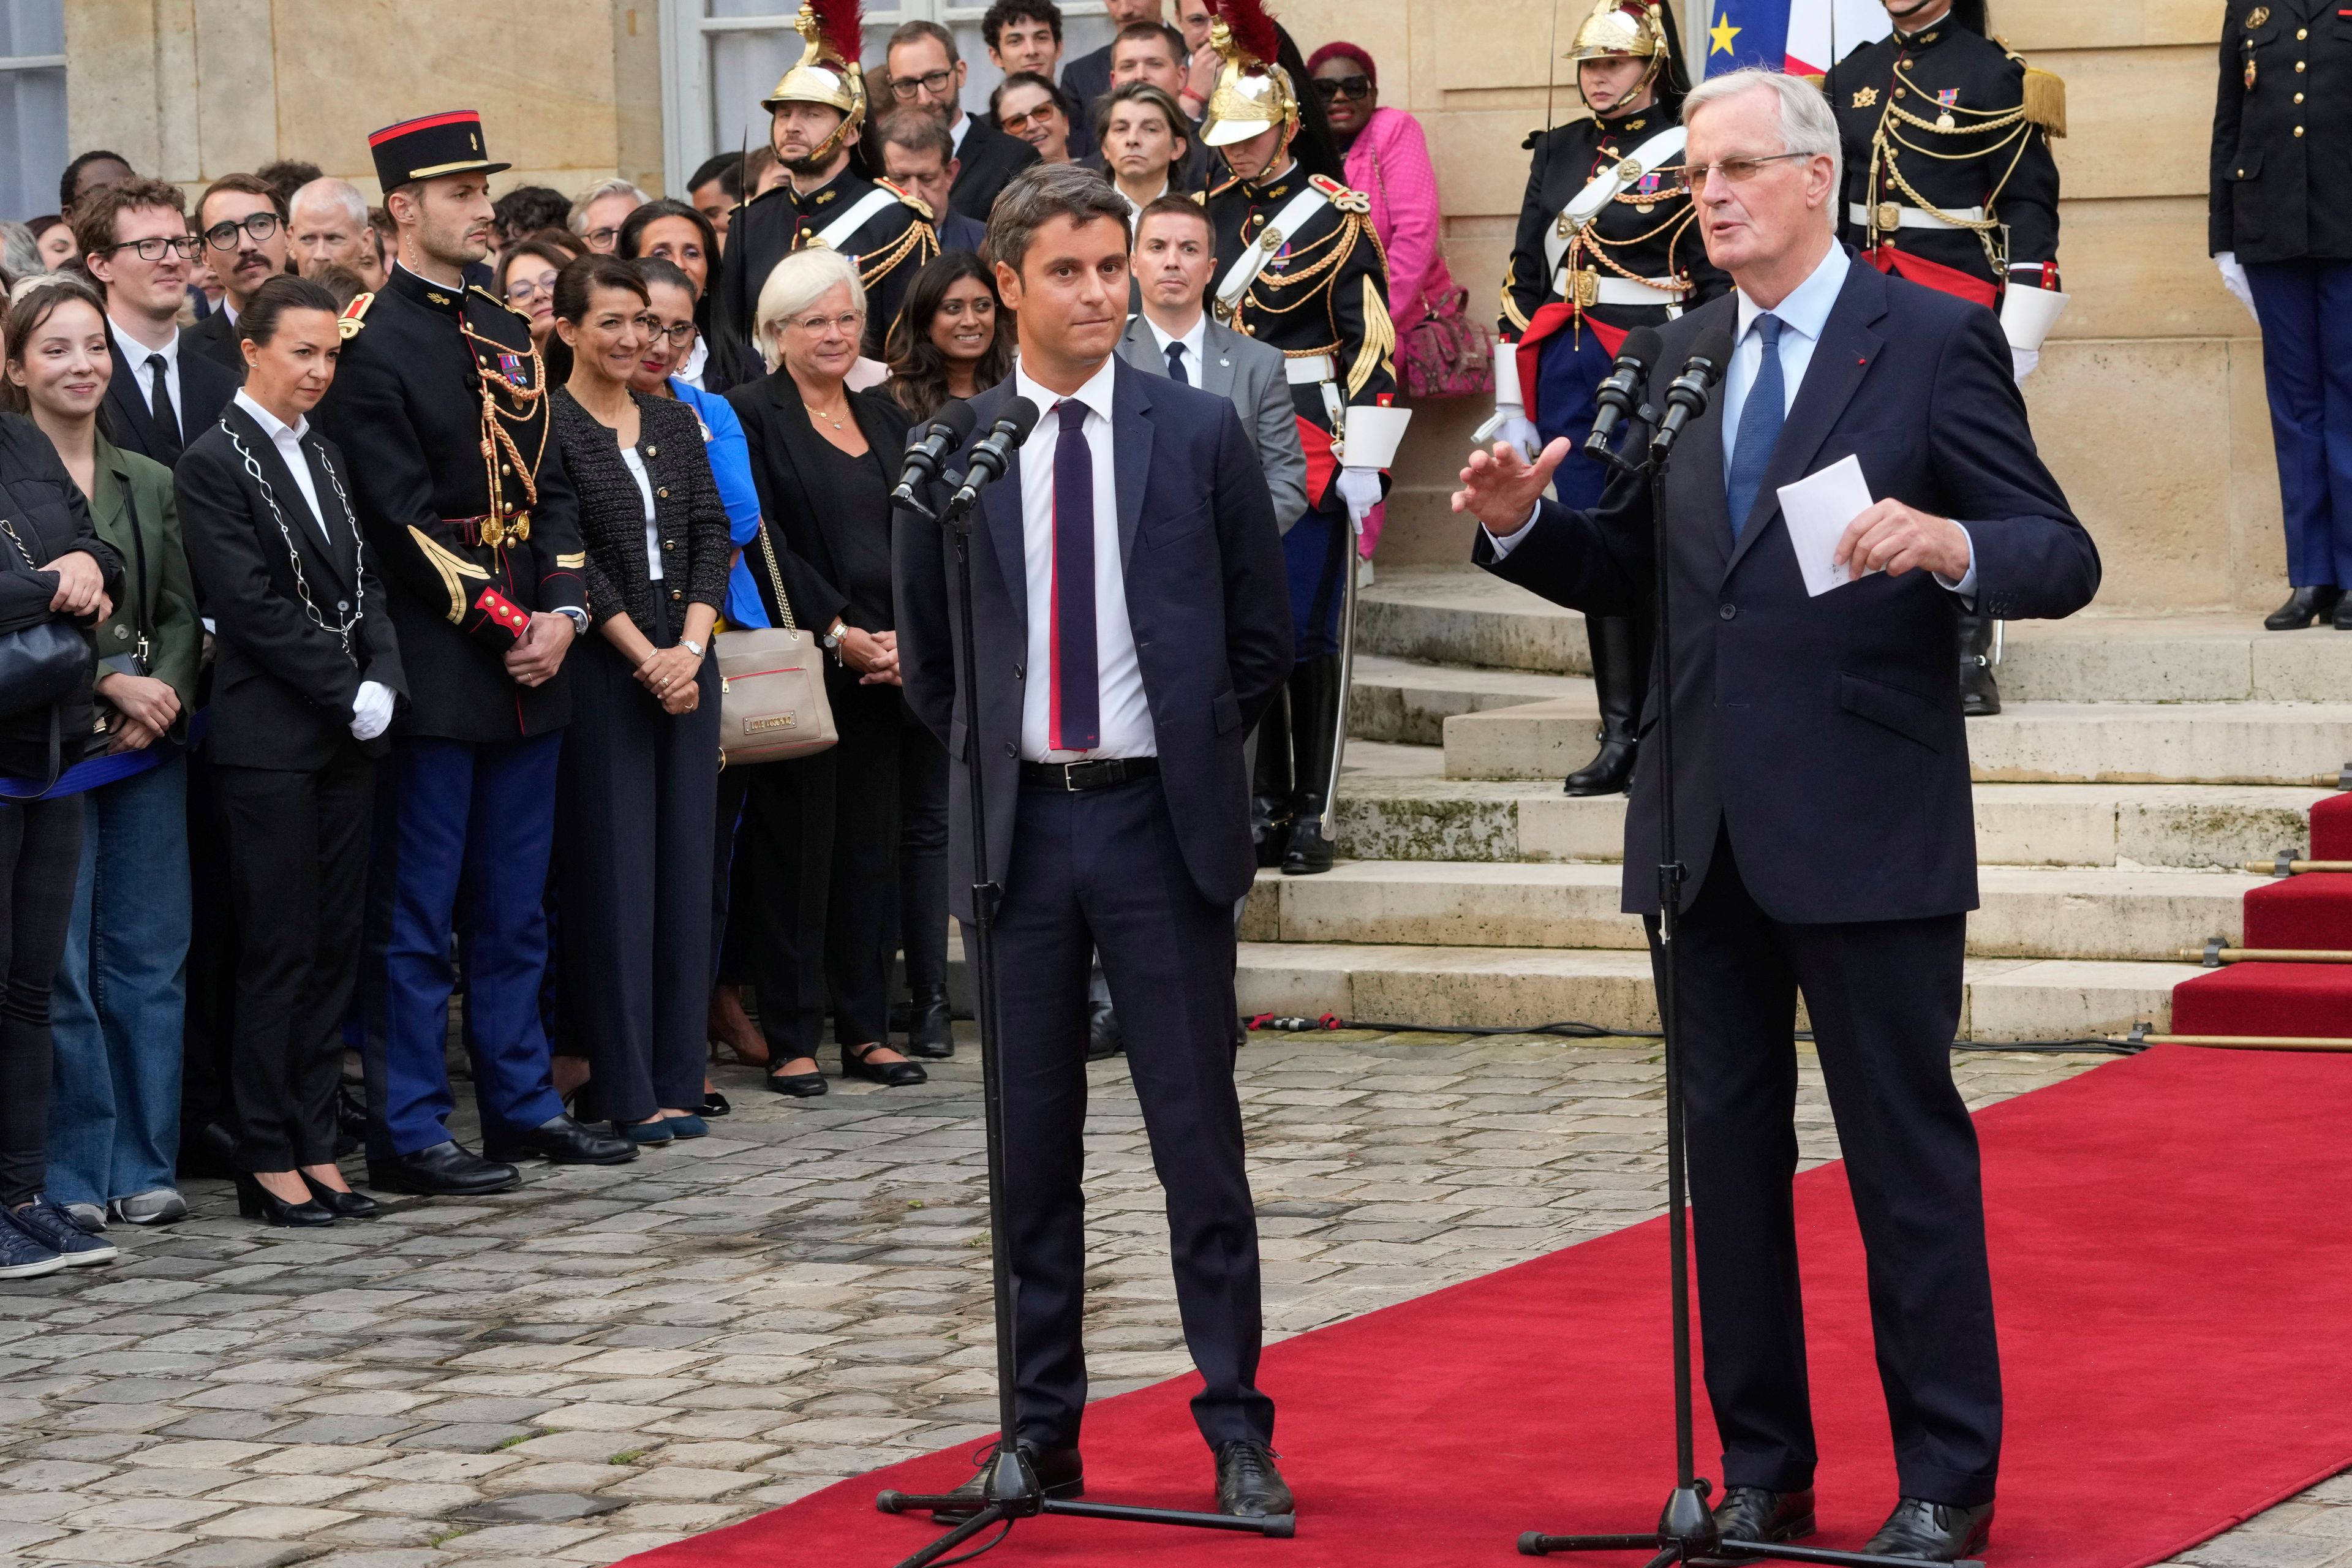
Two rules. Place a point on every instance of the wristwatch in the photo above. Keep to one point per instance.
(578, 617)
(835, 632)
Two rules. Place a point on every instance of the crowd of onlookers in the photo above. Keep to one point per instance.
(133, 320)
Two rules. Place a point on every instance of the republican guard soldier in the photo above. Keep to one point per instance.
(817, 113)
(439, 403)
(1949, 182)
(1298, 267)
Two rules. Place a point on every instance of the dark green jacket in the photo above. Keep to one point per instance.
(136, 513)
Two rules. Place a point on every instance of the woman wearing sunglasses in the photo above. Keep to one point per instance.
(1028, 106)
(1608, 241)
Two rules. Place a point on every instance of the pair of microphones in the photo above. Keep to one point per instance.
(927, 458)
(1619, 398)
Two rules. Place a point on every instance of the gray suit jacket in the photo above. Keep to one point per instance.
(1251, 374)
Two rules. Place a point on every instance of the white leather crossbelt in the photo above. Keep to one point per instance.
(862, 211)
(1609, 291)
(1911, 217)
(1307, 369)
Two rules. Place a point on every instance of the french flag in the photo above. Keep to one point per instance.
(1803, 37)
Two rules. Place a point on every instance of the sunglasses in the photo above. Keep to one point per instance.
(1012, 124)
(1331, 87)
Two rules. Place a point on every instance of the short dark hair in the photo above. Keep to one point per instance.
(285, 176)
(915, 130)
(72, 176)
(258, 322)
(1174, 205)
(1179, 126)
(527, 209)
(558, 247)
(341, 282)
(993, 25)
(244, 185)
(1135, 32)
(907, 32)
(1042, 193)
(718, 166)
(93, 221)
(576, 284)
(1027, 78)
(28, 312)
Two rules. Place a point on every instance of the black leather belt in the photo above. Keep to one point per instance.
(1095, 772)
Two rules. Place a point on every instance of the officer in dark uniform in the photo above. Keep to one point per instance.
(1298, 267)
(1606, 243)
(1949, 182)
(818, 109)
(439, 403)
(2282, 231)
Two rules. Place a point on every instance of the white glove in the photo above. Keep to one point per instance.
(1510, 421)
(2022, 360)
(1360, 488)
(2233, 278)
(370, 711)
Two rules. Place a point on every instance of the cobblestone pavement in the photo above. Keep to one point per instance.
(612, 1359)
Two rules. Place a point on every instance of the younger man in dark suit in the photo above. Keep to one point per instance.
(135, 239)
(241, 221)
(924, 72)
(1129, 558)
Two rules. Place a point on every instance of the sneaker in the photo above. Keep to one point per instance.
(50, 1227)
(89, 1217)
(157, 1206)
(22, 1258)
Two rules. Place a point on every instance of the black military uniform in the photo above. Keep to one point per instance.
(889, 249)
(2282, 165)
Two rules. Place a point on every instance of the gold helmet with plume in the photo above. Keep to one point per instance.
(827, 72)
(1627, 29)
(1252, 93)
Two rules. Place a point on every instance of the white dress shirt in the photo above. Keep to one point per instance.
(287, 439)
(956, 129)
(636, 467)
(1135, 208)
(136, 352)
(696, 363)
(1195, 342)
(1124, 711)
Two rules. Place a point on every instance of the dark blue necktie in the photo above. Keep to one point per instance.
(1176, 363)
(1761, 418)
(1074, 722)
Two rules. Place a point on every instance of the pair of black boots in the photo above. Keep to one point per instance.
(1295, 744)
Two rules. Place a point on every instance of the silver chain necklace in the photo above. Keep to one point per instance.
(341, 629)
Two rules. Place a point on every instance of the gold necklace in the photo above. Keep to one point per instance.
(828, 418)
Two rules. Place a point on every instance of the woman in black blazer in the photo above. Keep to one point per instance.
(816, 865)
(305, 678)
(634, 816)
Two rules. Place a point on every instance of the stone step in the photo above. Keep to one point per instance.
(2301, 743)
(1408, 701)
(1390, 814)
(1502, 988)
(2086, 912)
(1463, 615)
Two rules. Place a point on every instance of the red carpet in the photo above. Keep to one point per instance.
(2313, 911)
(2173, 1291)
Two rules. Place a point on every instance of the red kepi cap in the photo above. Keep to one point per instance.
(428, 147)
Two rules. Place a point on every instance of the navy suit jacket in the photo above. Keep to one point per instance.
(1826, 732)
(1207, 600)
(206, 388)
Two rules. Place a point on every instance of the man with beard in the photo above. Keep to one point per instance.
(241, 221)
(819, 109)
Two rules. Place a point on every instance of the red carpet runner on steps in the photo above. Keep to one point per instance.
(2313, 911)
(2174, 1290)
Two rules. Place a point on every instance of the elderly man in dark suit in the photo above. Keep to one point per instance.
(1823, 798)
(1131, 622)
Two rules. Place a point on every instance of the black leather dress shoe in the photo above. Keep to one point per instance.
(1753, 1513)
(930, 1024)
(1932, 1531)
(444, 1170)
(342, 1204)
(1248, 1485)
(2318, 601)
(1104, 1037)
(857, 1061)
(563, 1141)
(1060, 1473)
(1309, 853)
(2344, 614)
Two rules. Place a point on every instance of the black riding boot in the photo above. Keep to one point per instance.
(1617, 671)
(1314, 731)
(1270, 784)
(1979, 698)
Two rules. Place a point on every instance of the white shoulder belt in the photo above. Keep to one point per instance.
(862, 211)
(1659, 151)
(1294, 216)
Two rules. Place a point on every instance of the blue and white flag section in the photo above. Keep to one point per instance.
(1803, 37)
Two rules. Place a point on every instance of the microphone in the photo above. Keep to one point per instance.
(1688, 397)
(945, 435)
(990, 458)
(1624, 388)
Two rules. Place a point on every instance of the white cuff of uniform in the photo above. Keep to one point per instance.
(1504, 543)
(1967, 586)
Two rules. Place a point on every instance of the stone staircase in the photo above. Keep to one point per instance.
(2140, 763)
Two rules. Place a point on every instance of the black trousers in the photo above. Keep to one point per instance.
(211, 1021)
(816, 878)
(298, 846)
(634, 835)
(40, 857)
(923, 854)
(1103, 871)
(1885, 999)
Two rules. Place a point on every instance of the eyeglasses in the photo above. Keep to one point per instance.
(1689, 178)
(259, 228)
(1331, 87)
(679, 334)
(849, 324)
(183, 245)
(933, 82)
(1012, 124)
(521, 289)
(601, 238)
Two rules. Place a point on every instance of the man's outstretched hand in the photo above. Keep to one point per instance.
(1500, 487)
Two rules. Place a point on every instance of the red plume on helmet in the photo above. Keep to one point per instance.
(843, 25)
(1251, 26)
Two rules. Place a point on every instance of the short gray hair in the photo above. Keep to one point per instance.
(1807, 124)
(796, 283)
(1044, 191)
(342, 193)
(597, 192)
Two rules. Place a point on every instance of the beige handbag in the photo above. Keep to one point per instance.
(772, 701)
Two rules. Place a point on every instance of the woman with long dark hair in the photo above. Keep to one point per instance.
(950, 340)
(680, 234)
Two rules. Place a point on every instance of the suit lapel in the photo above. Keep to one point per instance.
(128, 394)
(300, 523)
(1130, 437)
(342, 530)
(1216, 362)
(1841, 361)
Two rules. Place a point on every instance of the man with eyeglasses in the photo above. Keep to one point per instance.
(917, 158)
(241, 221)
(925, 74)
(135, 239)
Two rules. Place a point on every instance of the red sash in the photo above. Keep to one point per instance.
(1935, 275)
(1319, 464)
(1548, 321)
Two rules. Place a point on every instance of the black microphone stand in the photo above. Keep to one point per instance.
(1011, 1491)
(1686, 1531)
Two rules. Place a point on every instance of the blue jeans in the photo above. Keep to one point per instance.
(114, 1113)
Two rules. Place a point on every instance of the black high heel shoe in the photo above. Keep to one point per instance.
(799, 1085)
(340, 1203)
(254, 1201)
(857, 1061)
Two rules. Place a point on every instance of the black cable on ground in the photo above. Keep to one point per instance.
(1574, 1029)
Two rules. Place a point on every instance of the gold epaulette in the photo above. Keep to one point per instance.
(1200, 198)
(355, 316)
(1345, 200)
(502, 304)
(908, 197)
(1815, 79)
(2045, 100)
(1229, 184)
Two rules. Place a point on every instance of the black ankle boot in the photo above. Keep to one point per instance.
(2305, 606)
(1979, 698)
(1270, 784)
(1617, 672)
(1315, 699)
(930, 1025)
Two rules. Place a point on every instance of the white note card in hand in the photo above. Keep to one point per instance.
(1817, 508)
